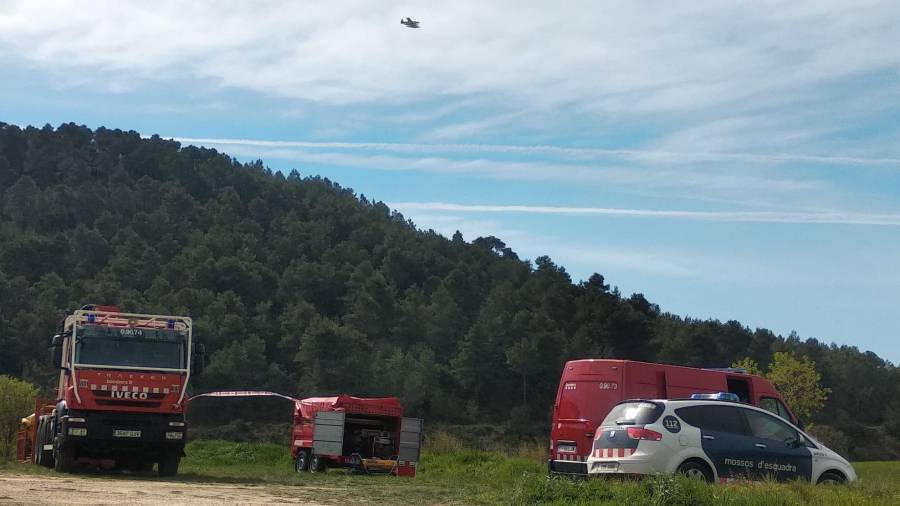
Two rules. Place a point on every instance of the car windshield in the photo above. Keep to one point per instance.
(633, 413)
(144, 348)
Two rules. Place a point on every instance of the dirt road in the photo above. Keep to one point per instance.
(124, 491)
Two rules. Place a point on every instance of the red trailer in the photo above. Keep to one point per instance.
(588, 389)
(368, 434)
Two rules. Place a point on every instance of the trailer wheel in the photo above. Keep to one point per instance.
(301, 463)
(316, 464)
(168, 464)
(65, 458)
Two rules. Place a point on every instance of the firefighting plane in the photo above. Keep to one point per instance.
(409, 23)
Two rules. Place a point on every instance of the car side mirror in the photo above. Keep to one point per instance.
(794, 442)
(198, 359)
(56, 351)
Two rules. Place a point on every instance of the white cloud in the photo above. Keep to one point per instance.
(683, 181)
(608, 56)
(649, 155)
(833, 217)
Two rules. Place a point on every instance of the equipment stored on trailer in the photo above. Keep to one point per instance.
(121, 397)
(366, 434)
(588, 389)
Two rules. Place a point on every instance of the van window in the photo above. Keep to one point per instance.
(768, 427)
(714, 418)
(740, 387)
(774, 405)
(633, 413)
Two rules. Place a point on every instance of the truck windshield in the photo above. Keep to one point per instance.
(145, 348)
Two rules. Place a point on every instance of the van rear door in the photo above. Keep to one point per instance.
(583, 404)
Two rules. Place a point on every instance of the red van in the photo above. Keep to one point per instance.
(588, 389)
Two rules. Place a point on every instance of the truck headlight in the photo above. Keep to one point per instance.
(174, 435)
(77, 431)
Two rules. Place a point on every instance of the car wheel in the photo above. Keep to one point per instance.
(831, 478)
(696, 471)
(301, 463)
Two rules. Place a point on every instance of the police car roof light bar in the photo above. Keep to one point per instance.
(718, 396)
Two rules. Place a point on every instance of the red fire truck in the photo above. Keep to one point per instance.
(588, 389)
(367, 434)
(121, 393)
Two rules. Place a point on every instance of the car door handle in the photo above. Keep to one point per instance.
(760, 445)
(709, 437)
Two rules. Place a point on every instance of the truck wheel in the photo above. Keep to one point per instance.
(65, 458)
(38, 449)
(316, 464)
(301, 463)
(168, 465)
(44, 437)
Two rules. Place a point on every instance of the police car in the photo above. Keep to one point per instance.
(710, 437)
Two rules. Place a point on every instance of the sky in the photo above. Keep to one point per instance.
(729, 160)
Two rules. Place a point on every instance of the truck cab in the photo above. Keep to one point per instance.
(121, 396)
(589, 388)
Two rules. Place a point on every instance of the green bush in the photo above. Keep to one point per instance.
(16, 401)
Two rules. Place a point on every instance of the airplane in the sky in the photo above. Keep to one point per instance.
(409, 23)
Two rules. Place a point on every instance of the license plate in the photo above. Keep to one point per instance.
(126, 433)
(564, 448)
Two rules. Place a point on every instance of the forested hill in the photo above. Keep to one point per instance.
(301, 286)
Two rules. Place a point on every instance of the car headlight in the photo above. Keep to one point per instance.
(75, 419)
(176, 424)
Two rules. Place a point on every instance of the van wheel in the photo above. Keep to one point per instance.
(316, 464)
(696, 471)
(831, 478)
(301, 463)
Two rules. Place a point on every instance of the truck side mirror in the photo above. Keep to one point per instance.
(198, 359)
(56, 351)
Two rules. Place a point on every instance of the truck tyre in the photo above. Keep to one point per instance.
(168, 464)
(65, 458)
(316, 464)
(38, 449)
(301, 463)
(44, 437)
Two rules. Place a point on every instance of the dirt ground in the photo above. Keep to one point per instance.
(122, 491)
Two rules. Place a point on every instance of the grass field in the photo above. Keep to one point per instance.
(466, 476)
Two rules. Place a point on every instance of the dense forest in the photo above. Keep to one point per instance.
(301, 286)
